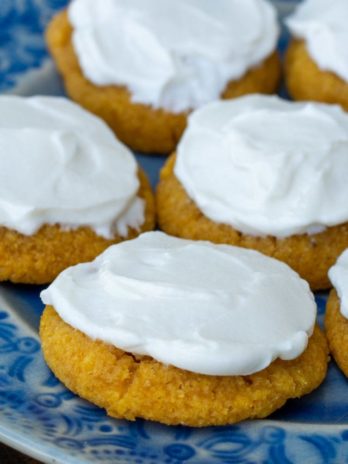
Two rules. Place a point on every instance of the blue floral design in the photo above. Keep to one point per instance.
(22, 25)
(74, 431)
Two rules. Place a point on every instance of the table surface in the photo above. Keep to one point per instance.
(10, 456)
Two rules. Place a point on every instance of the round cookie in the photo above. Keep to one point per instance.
(68, 188)
(336, 317)
(128, 386)
(310, 255)
(305, 81)
(316, 65)
(140, 126)
(336, 327)
(263, 173)
(146, 331)
(39, 258)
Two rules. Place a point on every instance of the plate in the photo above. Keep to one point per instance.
(39, 417)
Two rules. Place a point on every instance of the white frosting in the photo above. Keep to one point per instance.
(338, 276)
(323, 25)
(210, 309)
(266, 166)
(60, 164)
(171, 54)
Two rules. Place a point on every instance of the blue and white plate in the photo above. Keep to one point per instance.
(40, 417)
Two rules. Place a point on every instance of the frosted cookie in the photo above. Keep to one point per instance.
(183, 332)
(317, 59)
(263, 173)
(142, 65)
(336, 317)
(68, 188)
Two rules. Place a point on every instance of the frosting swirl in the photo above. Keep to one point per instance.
(267, 166)
(171, 54)
(60, 164)
(323, 25)
(157, 296)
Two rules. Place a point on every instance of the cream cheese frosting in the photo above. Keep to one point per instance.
(60, 164)
(338, 276)
(207, 308)
(266, 166)
(323, 25)
(171, 54)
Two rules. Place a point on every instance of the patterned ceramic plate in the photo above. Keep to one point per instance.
(41, 418)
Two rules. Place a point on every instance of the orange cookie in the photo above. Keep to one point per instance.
(141, 126)
(183, 332)
(336, 317)
(306, 81)
(336, 326)
(131, 386)
(39, 258)
(68, 188)
(310, 255)
(316, 65)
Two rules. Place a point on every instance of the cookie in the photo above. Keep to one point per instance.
(152, 126)
(310, 256)
(316, 66)
(243, 177)
(336, 327)
(145, 331)
(39, 258)
(305, 81)
(130, 387)
(336, 320)
(68, 188)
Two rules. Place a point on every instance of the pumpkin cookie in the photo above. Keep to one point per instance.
(118, 332)
(317, 59)
(262, 173)
(68, 189)
(336, 317)
(166, 59)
